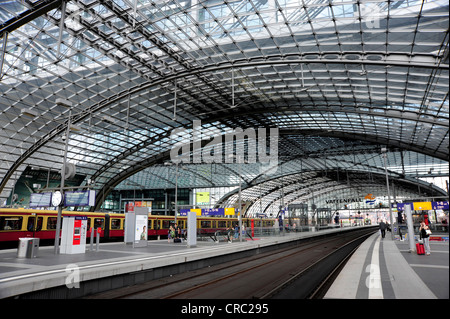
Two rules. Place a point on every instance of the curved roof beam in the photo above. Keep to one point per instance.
(427, 61)
(332, 184)
(382, 184)
(36, 10)
(396, 114)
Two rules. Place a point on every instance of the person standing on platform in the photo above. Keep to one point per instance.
(425, 232)
(383, 229)
(171, 234)
(177, 231)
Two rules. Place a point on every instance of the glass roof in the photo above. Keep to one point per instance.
(339, 79)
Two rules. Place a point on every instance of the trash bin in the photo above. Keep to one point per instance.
(28, 247)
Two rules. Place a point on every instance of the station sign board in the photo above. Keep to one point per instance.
(41, 200)
(79, 198)
(423, 206)
(208, 211)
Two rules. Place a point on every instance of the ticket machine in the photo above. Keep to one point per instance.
(73, 237)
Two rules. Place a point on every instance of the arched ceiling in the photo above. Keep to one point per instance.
(339, 79)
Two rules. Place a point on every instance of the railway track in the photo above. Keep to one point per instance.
(303, 271)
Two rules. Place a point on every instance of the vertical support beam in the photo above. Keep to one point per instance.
(175, 101)
(61, 27)
(232, 87)
(384, 151)
(176, 193)
(240, 200)
(61, 187)
(134, 13)
(192, 229)
(410, 224)
(303, 79)
(3, 52)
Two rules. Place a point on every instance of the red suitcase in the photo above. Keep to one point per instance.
(420, 249)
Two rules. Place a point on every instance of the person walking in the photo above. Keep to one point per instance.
(425, 233)
(236, 231)
(383, 228)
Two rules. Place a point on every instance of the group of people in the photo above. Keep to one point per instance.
(175, 232)
(424, 234)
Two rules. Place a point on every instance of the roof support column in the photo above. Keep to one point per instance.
(61, 28)
(2, 53)
(384, 151)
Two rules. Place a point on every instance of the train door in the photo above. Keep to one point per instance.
(34, 225)
(99, 223)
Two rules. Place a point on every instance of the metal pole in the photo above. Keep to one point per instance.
(176, 193)
(92, 239)
(63, 180)
(98, 240)
(175, 101)
(240, 201)
(61, 27)
(389, 193)
(282, 203)
(2, 52)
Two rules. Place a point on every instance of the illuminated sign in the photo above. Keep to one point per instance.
(79, 198)
(41, 199)
(202, 198)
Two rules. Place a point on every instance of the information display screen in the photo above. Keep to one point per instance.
(41, 199)
(79, 198)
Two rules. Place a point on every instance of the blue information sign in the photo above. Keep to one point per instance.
(213, 211)
(205, 212)
(439, 205)
(434, 205)
(41, 199)
(79, 198)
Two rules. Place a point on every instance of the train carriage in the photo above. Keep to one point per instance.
(20, 223)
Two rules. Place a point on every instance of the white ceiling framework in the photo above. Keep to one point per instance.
(340, 79)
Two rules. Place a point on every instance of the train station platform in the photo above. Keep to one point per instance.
(116, 265)
(383, 268)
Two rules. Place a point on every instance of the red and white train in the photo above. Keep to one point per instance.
(19, 223)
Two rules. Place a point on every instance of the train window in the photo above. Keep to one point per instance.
(166, 224)
(205, 224)
(221, 224)
(32, 223)
(89, 223)
(115, 223)
(181, 224)
(156, 224)
(98, 223)
(10, 223)
(149, 224)
(51, 223)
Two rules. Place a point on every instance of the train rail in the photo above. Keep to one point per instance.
(303, 271)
